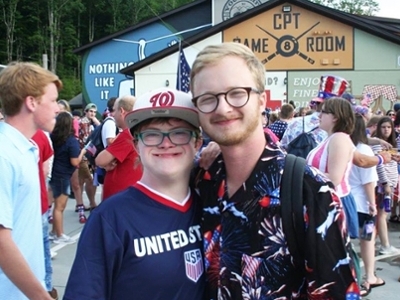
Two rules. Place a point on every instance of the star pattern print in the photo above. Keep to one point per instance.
(246, 253)
(183, 79)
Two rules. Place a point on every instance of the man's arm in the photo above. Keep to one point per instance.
(367, 161)
(208, 155)
(105, 160)
(17, 270)
(376, 141)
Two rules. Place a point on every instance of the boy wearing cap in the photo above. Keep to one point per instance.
(145, 242)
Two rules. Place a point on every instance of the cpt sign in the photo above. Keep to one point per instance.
(163, 99)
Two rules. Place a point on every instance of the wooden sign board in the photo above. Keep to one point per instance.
(295, 40)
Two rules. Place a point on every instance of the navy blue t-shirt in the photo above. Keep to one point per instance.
(139, 245)
(62, 167)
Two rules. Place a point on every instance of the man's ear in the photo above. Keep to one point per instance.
(263, 101)
(31, 103)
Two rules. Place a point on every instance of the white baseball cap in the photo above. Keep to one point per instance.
(163, 103)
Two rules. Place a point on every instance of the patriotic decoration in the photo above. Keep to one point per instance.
(386, 91)
(194, 264)
(91, 148)
(183, 80)
(353, 292)
(332, 86)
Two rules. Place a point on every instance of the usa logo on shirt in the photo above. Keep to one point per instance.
(193, 264)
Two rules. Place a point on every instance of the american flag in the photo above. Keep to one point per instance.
(91, 148)
(182, 80)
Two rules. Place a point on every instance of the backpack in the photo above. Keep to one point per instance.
(291, 195)
(303, 144)
(95, 143)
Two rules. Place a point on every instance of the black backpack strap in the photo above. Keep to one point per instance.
(291, 195)
(313, 129)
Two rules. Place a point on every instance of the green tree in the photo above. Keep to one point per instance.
(31, 28)
(357, 7)
(9, 15)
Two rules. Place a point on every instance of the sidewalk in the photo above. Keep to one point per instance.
(62, 262)
(387, 267)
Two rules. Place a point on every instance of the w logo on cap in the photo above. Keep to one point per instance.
(163, 99)
(193, 264)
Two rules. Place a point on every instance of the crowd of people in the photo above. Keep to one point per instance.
(179, 219)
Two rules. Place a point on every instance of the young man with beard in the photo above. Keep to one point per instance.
(119, 158)
(28, 95)
(246, 252)
(145, 242)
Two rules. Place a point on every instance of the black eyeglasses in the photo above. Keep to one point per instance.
(178, 137)
(391, 115)
(326, 112)
(236, 97)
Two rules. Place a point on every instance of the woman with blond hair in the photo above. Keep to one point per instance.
(63, 105)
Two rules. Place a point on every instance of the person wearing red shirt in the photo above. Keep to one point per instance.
(119, 158)
(45, 153)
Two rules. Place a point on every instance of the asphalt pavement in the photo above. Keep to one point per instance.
(387, 266)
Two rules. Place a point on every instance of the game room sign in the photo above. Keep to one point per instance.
(295, 40)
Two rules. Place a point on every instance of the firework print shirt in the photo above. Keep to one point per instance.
(246, 254)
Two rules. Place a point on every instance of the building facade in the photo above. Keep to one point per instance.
(297, 41)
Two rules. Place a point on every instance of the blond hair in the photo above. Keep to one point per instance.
(20, 80)
(126, 102)
(211, 55)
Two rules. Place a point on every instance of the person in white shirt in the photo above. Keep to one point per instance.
(363, 182)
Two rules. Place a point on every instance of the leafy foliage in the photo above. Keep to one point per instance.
(357, 7)
(31, 28)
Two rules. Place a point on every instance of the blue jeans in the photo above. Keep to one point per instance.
(47, 256)
(60, 186)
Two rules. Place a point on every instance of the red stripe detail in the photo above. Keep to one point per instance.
(164, 201)
(342, 88)
(329, 84)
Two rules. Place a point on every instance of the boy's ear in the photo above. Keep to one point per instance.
(135, 146)
(198, 143)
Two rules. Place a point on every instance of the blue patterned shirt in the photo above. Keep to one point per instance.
(295, 128)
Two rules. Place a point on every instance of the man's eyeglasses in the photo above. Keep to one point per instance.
(391, 115)
(153, 138)
(236, 97)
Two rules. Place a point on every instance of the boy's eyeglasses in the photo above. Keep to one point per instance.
(178, 137)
